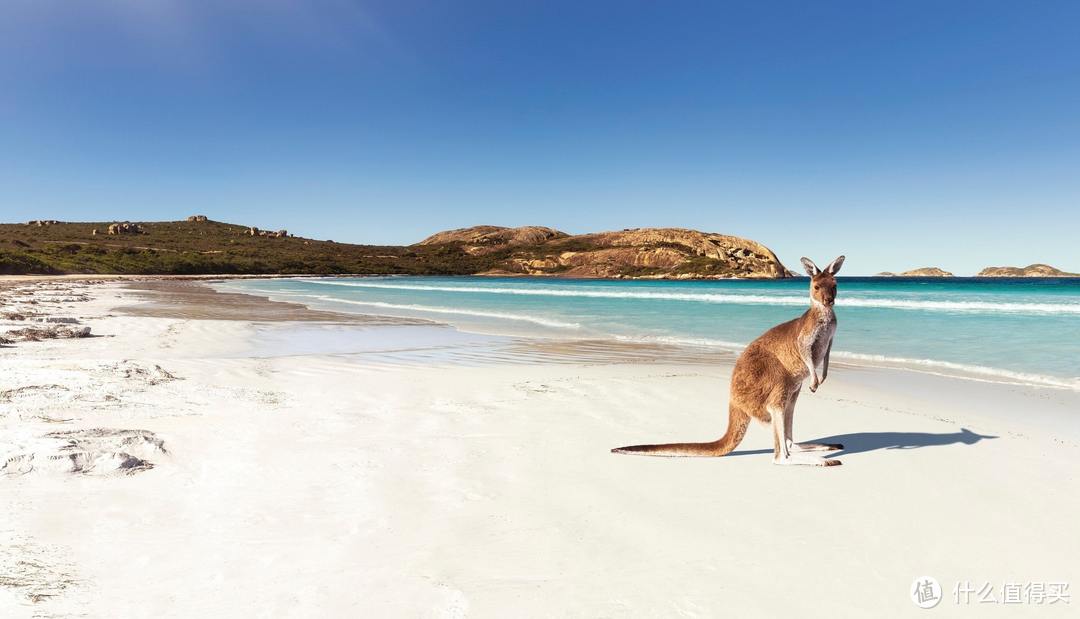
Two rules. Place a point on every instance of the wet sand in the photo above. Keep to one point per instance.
(195, 300)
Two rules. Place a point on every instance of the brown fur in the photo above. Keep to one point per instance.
(769, 374)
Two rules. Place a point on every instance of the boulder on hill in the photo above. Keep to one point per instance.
(125, 228)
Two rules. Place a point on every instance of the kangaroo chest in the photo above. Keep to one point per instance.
(816, 338)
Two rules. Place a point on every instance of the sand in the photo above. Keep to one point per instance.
(175, 465)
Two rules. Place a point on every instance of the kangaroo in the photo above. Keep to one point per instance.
(768, 376)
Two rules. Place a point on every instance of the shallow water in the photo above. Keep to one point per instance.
(1014, 329)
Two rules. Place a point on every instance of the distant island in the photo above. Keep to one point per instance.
(199, 245)
(1032, 270)
(923, 272)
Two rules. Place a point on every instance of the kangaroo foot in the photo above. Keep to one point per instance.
(803, 460)
(816, 446)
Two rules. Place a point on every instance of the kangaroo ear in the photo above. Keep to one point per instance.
(811, 268)
(834, 266)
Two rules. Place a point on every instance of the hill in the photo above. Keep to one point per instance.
(648, 253)
(203, 246)
(486, 239)
(1032, 270)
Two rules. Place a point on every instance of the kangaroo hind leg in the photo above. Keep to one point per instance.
(789, 422)
(782, 453)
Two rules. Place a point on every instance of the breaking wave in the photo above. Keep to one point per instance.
(948, 368)
(736, 299)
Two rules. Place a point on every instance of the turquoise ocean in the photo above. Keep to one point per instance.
(1017, 330)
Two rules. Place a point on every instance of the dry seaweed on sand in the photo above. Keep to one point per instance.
(36, 334)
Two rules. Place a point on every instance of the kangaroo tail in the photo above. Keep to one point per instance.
(737, 423)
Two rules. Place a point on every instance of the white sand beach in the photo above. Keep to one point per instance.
(301, 467)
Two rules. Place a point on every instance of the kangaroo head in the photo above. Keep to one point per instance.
(823, 283)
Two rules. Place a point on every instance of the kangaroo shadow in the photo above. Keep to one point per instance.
(860, 442)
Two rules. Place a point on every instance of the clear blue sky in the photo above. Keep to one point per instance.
(903, 134)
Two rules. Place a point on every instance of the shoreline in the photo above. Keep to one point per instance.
(8, 279)
(935, 367)
(465, 477)
(195, 299)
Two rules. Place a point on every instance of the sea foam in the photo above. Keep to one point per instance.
(727, 298)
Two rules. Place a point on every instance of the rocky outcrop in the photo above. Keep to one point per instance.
(923, 272)
(280, 234)
(479, 240)
(661, 253)
(1032, 270)
(125, 228)
(196, 218)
